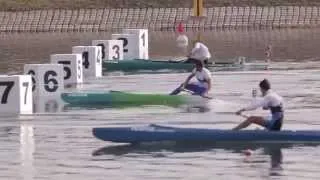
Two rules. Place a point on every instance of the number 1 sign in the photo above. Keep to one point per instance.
(142, 40)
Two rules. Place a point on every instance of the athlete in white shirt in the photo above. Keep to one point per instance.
(202, 86)
(199, 52)
(271, 101)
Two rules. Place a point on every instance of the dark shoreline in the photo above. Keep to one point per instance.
(19, 5)
(159, 19)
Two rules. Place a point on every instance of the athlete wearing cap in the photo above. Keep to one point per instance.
(200, 52)
(271, 101)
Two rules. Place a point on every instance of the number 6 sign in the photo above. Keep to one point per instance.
(47, 79)
(16, 94)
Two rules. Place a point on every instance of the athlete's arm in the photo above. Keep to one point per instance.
(255, 105)
(193, 73)
(188, 79)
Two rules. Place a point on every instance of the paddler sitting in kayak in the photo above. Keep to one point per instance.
(202, 87)
(199, 52)
(271, 101)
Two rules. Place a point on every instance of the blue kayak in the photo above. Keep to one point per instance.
(156, 133)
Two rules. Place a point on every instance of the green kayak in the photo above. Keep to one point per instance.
(143, 64)
(118, 98)
(135, 65)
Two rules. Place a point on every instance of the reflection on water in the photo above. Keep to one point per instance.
(273, 151)
(288, 44)
(48, 104)
(58, 144)
(27, 148)
(276, 161)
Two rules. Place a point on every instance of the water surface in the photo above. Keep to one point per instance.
(57, 143)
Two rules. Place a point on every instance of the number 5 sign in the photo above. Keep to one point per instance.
(16, 94)
(72, 67)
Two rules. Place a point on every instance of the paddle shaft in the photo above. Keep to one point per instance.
(243, 115)
(186, 90)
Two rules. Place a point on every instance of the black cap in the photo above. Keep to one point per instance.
(265, 84)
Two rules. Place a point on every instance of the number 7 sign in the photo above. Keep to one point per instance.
(16, 94)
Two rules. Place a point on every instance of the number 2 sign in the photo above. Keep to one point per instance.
(135, 43)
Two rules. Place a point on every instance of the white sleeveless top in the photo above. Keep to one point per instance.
(271, 99)
(202, 76)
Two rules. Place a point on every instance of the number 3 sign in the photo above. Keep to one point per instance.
(111, 49)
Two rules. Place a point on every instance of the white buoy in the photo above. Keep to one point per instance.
(47, 79)
(72, 67)
(16, 94)
(91, 60)
(254, 93)
(110, 49)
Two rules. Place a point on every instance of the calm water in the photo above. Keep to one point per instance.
(59, 144)
(288, 45)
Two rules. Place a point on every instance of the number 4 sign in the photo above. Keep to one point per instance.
(91, 60)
